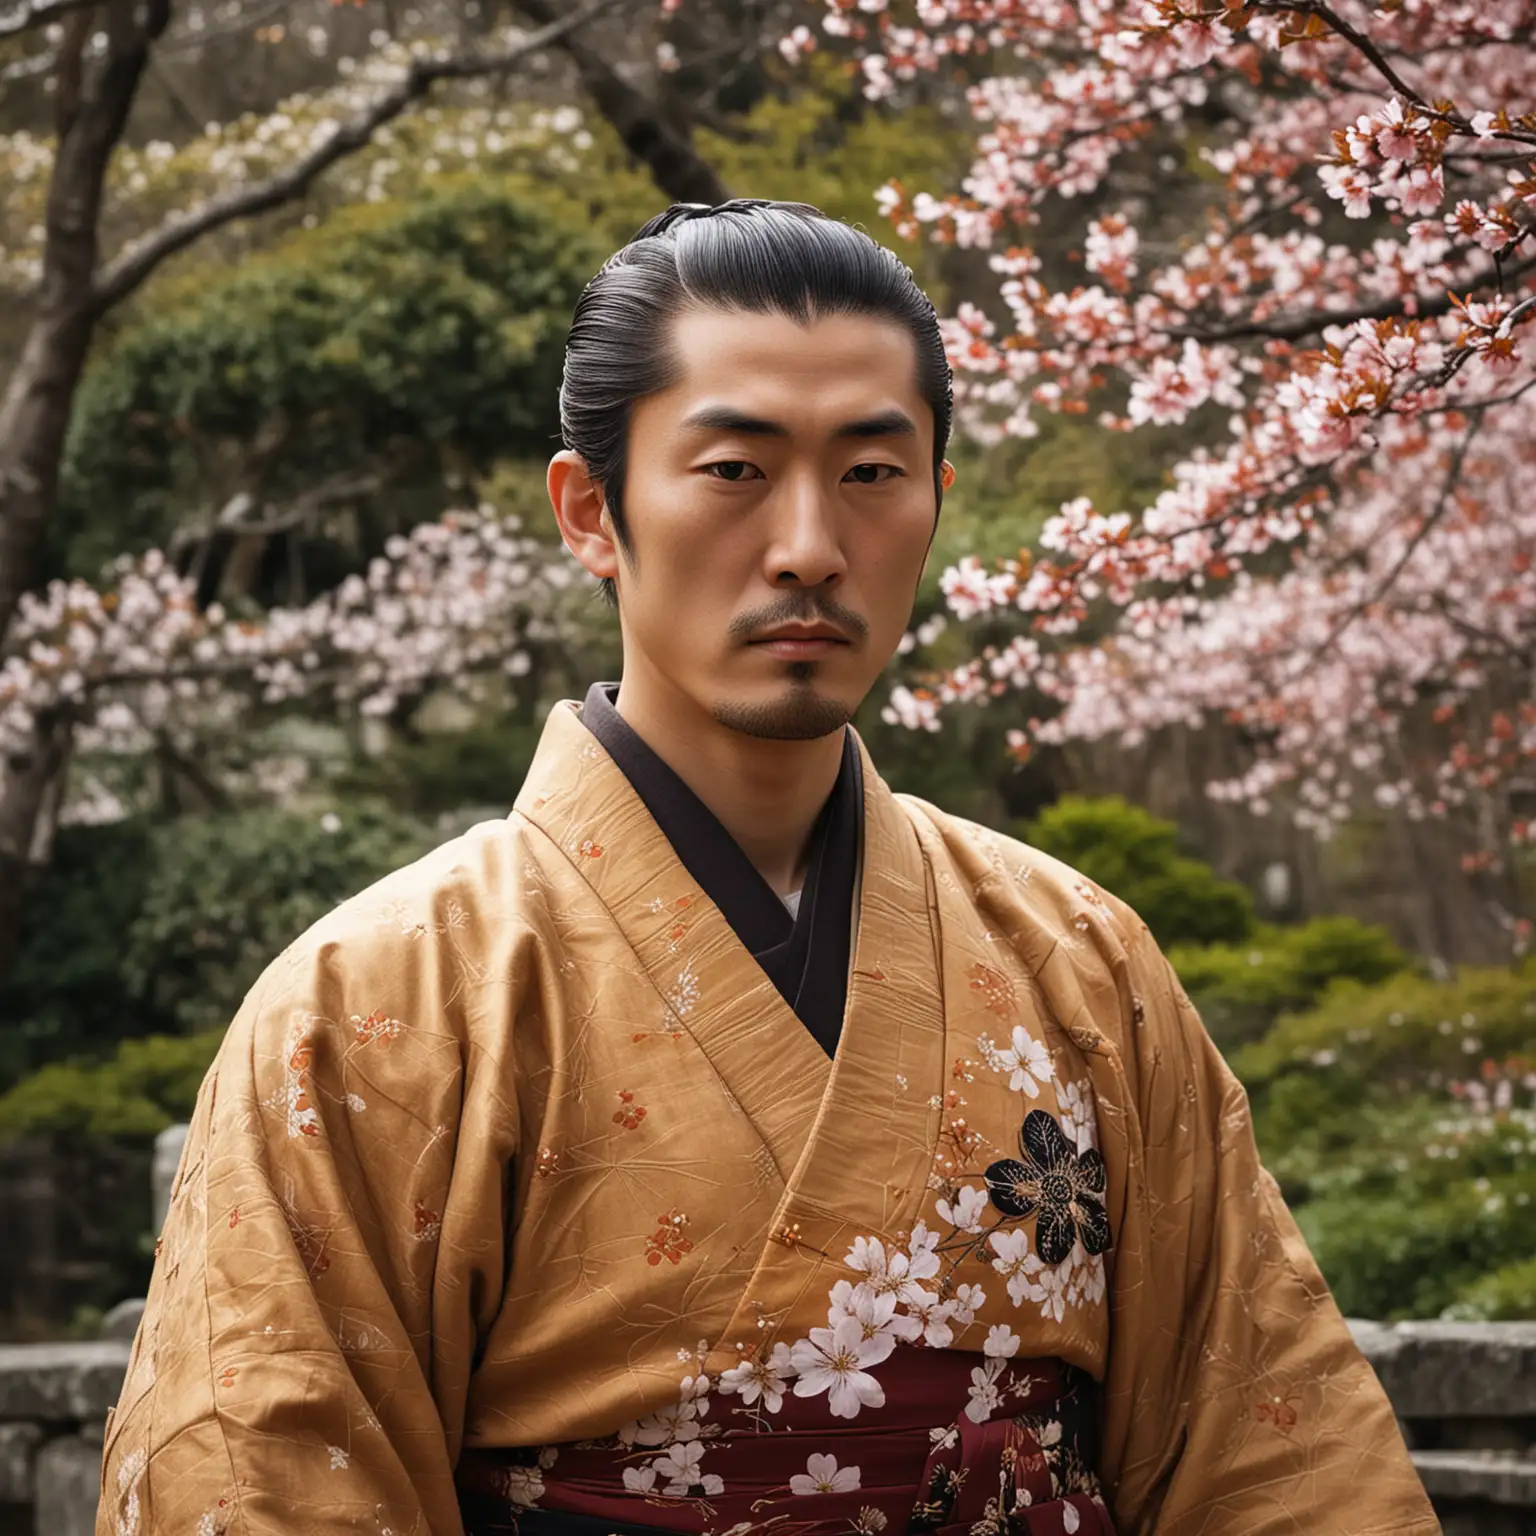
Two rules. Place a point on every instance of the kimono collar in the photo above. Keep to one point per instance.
(805, 955)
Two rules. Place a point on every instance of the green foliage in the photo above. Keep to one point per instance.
(1395, 1118)
(1509, 1292)
(1407, 1033)
(1242, 989)
(145, 1086)
(1135, 856)
(64, 993)
(146, 928)
(426, 335)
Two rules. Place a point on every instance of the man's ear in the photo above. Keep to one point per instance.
(582, 513)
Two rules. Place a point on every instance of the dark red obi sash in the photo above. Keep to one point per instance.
(919, 1463)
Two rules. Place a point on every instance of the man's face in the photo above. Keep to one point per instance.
(779, 500)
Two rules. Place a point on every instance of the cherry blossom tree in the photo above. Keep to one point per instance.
(93, 211)
(138, 668)
(1340, 561)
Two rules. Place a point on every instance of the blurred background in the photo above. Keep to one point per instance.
(283, 291)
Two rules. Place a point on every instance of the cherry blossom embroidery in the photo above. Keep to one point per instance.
(684, 992)
(997, 991)
(1026, 1060)
(823, 1475)
(628, 1114)
(685, 1477)
(759, 1380)
(1051, 1180)
(836, 1361)
(965, 1210)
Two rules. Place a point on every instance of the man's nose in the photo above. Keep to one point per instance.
(807, 548)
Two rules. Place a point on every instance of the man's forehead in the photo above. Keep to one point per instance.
(834, 370)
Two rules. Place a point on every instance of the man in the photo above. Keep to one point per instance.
(722, 1143)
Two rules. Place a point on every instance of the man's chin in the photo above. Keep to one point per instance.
(800, 713)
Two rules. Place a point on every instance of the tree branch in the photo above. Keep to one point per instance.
(134, 264)
(1386, 309)
(676, 167)
(27, 15)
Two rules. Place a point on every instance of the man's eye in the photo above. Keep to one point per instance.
(873, 474)
(734, 470)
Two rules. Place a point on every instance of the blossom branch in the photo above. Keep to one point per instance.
(135, 263)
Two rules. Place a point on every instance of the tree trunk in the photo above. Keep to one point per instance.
(92, 109)
(35, 409)
(32, 788)
(675, 165)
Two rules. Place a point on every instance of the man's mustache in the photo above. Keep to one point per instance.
(798, 608)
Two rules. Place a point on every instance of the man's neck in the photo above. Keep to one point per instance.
(767, 794)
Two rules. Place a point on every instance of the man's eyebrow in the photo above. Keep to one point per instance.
(892, 423)
(722, 418)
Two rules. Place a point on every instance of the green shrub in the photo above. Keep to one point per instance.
(1408, 1032)
(425, 334)
(1509, 1292)
(1397, 1120)
(1241, 989)
(65, 992)
(143, 928)
(1135, 856)
(1406, 1257)
(144, 1087)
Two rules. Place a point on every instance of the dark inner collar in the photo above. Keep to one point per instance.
(709, 853)
(806, 956)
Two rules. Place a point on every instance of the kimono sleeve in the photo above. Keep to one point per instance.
(1237, 1403)
(332, 1248)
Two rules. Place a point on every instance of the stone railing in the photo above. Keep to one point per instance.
(1466, 1393)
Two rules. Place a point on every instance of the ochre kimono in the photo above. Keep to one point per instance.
(517, 1187)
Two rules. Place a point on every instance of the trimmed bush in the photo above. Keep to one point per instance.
(1242, 989)
(145, 1086)
(1135, 856)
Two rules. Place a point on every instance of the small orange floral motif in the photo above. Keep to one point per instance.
(548, 1162)
(668, 1242)
(628, 1114)
(964, 1069)
(377, 1026)
(1278, 1412)
(683, 903)
(963, 1139)
(227, 1375)
(589, 849)
(427, 1224)
(996, 990)
(234, 1217)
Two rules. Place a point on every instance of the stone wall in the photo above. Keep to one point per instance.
(1465, 1392)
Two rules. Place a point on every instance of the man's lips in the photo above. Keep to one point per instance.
(799, 644)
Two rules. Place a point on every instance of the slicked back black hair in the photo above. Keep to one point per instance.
(749, 254)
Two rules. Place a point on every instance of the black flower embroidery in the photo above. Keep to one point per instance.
(1064, 1186)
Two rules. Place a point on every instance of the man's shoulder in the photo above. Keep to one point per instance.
(1007, 872)
(421, 929)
